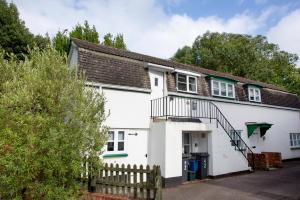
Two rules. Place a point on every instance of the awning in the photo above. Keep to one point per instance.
(252, 126)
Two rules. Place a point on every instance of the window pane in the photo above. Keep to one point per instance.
(110, 146)
(110, 135)
(223, 89)
(120, 146)
(230, 90)
(121, 135)
(186, 138)
(182, 86)
(192, 84)
(181, 78)
(156, 81)
(186, 149)
(215, 88)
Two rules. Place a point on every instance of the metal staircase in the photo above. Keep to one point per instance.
(187, 108)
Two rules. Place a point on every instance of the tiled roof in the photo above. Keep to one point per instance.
(121, 67)
(159, 61)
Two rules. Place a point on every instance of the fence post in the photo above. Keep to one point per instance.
(158, 184)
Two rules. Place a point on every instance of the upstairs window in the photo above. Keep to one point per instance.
(254, 94)
(222, 89)
(186, 83)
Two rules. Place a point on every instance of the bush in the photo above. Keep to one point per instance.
(48, 122)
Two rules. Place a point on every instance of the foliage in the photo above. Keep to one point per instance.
(48, 122)
(117, 41)
(61, 42)
(247, 56)
(85, 32)
(42, 42)
(14, 36)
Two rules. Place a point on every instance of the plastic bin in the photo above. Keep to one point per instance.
(191, 175)
(193, 165)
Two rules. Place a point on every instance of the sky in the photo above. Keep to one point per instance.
(160, 27)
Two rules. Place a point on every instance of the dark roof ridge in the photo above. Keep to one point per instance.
(151, 59)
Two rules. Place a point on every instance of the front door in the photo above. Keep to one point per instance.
(157, 84)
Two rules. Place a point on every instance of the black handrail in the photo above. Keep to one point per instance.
(184, 107)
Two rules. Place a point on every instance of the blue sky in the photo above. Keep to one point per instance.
(160, 27)
(226, 9)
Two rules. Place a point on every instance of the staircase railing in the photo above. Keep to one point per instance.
(185, 107)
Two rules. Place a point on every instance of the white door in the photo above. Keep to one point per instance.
(157, 84)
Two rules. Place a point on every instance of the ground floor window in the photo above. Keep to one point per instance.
(295, 139)
(116, 141)
(236, 137)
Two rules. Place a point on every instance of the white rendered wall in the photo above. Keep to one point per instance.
(277, 138)
(136, 146)
(127, 109)
(223, 157)
(156, 145)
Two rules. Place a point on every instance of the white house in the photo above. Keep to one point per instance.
(162, 112)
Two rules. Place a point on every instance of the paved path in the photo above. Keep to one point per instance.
(283, 184)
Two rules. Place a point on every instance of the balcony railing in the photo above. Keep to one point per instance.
(182, 107)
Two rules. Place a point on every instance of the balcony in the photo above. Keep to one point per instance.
(175, 107)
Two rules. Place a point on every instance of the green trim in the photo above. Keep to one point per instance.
(220, 78)
(115, 155)
(251, 127)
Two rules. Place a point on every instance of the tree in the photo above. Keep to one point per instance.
(117, 41)
(42, 42)
(49, 122)
(14, 36)
(184, 55)
(108, 40)
(61, 41)
(247, 56)
(85, 32)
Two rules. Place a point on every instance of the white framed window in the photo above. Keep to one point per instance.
(186, 143)
(116, 141)
(295, 140)
(222, 89)
(186, 83)
(254, 94)
(236, 137)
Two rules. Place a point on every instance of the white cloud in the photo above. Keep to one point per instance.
(286, 33)
(146, 26)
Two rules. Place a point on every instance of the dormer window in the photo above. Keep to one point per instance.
(222, 88)
(186, 83)
(254, 94)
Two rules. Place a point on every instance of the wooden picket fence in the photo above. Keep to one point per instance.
(130, 181)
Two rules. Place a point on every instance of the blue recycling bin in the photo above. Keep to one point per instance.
(193, 165)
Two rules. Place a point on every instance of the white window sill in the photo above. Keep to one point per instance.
(190, 92)
(223, 96)
(295, 147)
